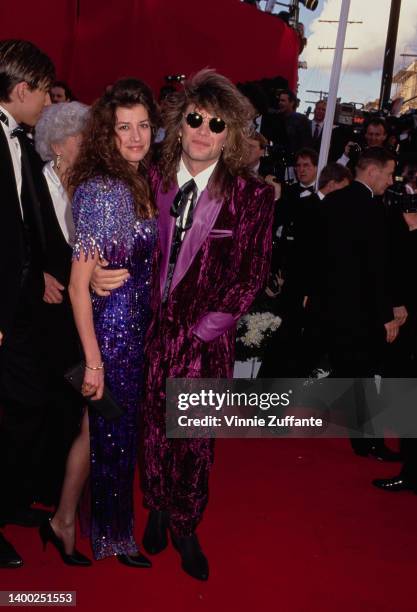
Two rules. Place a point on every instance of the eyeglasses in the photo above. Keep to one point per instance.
(216, 125)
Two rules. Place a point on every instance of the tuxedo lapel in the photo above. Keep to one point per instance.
(205, 215)
(28, 170)
(166, 224)
(8, 186)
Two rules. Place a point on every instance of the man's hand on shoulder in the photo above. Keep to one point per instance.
(104, 281)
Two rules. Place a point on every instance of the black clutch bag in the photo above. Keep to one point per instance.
(106, 406)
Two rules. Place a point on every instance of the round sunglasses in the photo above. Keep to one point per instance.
(216, 125)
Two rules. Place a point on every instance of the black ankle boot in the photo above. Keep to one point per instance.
(193, 560)
(155, 538)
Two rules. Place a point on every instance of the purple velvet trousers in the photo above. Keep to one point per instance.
(176, 471)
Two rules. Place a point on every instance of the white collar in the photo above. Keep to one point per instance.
(49, 171)
(12, 121)
(320, 195)
(367, 186)
(201, 179)
(307, 186)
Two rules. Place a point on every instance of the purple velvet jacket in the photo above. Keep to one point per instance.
(222, 265)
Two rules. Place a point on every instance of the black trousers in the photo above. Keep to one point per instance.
(400, 361)
(23, 407)
(304, 342)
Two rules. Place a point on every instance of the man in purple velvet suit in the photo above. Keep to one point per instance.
(215, 225)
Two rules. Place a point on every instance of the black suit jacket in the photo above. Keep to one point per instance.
(61, 348)
(351, 292)
(12, 236)
(58, 253)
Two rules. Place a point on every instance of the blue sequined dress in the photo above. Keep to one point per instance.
(106, 222)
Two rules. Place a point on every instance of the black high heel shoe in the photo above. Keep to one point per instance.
(137, 560)
(47, 534)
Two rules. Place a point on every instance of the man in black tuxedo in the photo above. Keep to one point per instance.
(283, 356)
(352, 305)
(401, 357)
(25, 77)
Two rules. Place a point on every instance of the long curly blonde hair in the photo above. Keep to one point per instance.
(217, 95)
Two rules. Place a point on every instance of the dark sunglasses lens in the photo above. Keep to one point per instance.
(194, 120)
(217, 125)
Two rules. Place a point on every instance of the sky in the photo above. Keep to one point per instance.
(361, 70)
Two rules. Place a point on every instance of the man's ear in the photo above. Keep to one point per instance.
(19, 92)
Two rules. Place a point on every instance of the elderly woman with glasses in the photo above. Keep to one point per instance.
(57, 140)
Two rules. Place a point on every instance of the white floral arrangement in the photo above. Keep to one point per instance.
(253, 331)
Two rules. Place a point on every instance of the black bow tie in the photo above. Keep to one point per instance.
(310, 189)
(4, 119)
(18, 132)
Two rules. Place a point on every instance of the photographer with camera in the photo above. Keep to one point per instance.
(375, 135)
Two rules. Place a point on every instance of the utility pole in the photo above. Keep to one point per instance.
(389, 56)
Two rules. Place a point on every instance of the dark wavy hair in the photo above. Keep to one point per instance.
(99, 155)
(217, 95)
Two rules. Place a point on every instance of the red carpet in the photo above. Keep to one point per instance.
(292, 525)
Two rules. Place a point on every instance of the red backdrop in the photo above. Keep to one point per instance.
(94, 42)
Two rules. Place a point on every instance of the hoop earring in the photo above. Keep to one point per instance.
(58, 161)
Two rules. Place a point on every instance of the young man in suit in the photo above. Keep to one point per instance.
(25, 77)
(215, 223)
(352, 306)
(283, 356)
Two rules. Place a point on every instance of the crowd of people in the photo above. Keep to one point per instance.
(135, 236)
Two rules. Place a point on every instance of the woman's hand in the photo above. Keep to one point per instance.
(93, 384)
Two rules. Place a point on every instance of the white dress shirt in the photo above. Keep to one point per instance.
(15, 152)
(201, 180)
(313, 128)
(61, 202)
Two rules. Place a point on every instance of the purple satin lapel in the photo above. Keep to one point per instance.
(166, 229)
(205, 216)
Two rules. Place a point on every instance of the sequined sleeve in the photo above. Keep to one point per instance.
(96, 208)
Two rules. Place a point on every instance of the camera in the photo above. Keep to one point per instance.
(354, 152)
(397, 195)
(277, 160)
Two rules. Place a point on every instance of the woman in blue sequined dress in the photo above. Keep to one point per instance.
(114, 214)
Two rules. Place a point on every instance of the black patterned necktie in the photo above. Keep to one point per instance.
(185, 216)
(316, 132)
(179, 205)
(4, 119)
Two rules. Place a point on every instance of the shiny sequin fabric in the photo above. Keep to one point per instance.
(105, 221)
